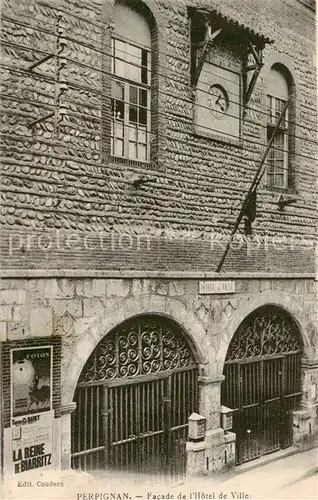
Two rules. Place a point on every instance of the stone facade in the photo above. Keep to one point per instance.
(82, 310)
(83, 248)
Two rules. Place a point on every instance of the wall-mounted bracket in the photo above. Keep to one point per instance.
(41, 61)
(40, 120)
(283, 202)
(142, 180)
(256, 53)
(203, 46)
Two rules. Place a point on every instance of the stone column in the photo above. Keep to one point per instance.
(305, 421)
(217, 452)
(66, 412)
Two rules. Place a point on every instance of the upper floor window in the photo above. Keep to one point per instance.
(277, 96)
(130, 90)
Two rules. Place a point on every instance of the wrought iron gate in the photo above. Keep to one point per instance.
(263, 382)
(134, 398)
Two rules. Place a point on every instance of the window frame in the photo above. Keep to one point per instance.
(283, 130)
(128, 83)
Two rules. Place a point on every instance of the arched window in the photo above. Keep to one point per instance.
(277, 95)
(131, 79)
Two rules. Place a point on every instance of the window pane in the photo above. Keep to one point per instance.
(119, 56)
(117, 90)
(143, 94)
(142, 150)
(119, 68)
(132, 153)
(143, 116)
(132, 72)
(133, 58)
(132, 133)
(269, 108)
(119, 49)
(133, 94)
(133, 53)
(277, 159)
(142, 135)
(270, 179)
(132, 113)
(119, 129)
(118, 109)
(144, 69)
(279, 180)
(119, 147)
(113, 55)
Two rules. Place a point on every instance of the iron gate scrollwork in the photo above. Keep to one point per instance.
(134, 397)
(262, 382)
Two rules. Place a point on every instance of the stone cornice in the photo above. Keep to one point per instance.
(94, 273)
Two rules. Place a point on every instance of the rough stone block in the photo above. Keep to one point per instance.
(140, 287)
(20, 313)
(265, 285)
(59, 288)
(176, 288)
(162, 288)
(117, 288)
(8, 297)
(93, 288)
(73, 306)
(5, 313)
(93, 307)
(41, 324)
(82, 326)
(3, 331)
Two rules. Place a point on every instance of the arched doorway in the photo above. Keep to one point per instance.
(263, 382)
(134, 397)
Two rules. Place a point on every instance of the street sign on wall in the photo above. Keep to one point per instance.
(217, 286)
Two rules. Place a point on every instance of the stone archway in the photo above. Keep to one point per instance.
(277, 298)
(133, 400)
(263, 381)
(122, 310)
(89, 334)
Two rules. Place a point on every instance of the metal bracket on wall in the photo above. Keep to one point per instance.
(41, 61)
(41, 119)
(283, 202)
(256, 53)
(61, 85)
(142, 180)
(197, 67)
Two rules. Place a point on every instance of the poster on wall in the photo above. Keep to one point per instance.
(32, 442)
(31, 380)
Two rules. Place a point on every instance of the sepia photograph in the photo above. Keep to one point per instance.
(158, 250)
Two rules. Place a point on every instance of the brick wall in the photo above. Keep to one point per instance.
(70, 183)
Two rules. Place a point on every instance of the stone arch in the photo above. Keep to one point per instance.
(275, 298)
(126, 309)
